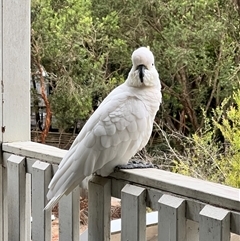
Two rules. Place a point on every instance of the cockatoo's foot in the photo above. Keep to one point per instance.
(135, 164)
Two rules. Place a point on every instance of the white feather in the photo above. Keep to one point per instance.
(120, 127)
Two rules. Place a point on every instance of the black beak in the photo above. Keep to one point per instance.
(141, 68)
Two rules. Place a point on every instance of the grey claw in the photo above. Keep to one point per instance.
(135, 164)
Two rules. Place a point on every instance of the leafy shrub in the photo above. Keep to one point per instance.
(229, 127)
(214, 152)
(79, 54)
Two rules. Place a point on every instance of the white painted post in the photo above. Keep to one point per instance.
(4, 216)
(69, 222)
(41, 220)
(14, 82)
(133, 213)
(1, 204)
(16, 193)
(99, 209)
(28, 214)
(1, 80)
(214, 224)
(15, 70)
(171, 219)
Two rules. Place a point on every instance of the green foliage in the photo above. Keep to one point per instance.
(79, 53)
(214, 154)
(85, 46)
(79, 98)
(90, 42)
(230, 130)
(196, 49)
(195, 156)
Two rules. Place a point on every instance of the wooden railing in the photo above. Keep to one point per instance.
(188, 208)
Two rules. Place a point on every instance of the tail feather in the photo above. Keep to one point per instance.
(53, 202)
(55, 195)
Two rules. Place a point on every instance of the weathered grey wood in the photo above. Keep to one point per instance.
(208, 192)
(133, 213)
(217, 194)
(171, 219)
(117, 186)
(99, 204)
(153, 195)
(69, 216)
(28, 162)
(15, 64)
(235, 222)
(1, 203)
(16, 193)
(1, 77)
(193, 207)
(35, 150)
(41, 219)
(214, 224)
(5, 204)
(192, 230)
(28, 213)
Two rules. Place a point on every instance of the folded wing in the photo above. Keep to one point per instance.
(119, 128)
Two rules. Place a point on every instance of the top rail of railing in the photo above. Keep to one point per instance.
(205, 191)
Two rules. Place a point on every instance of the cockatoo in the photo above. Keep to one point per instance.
(116, 131)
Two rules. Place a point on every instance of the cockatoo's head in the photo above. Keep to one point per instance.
(143, 72)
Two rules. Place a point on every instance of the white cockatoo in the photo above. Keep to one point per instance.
(117, 130)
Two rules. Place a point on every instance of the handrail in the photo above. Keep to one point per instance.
(192, 188)
(35, 150)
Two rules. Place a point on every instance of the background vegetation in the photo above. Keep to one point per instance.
(85, 48)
